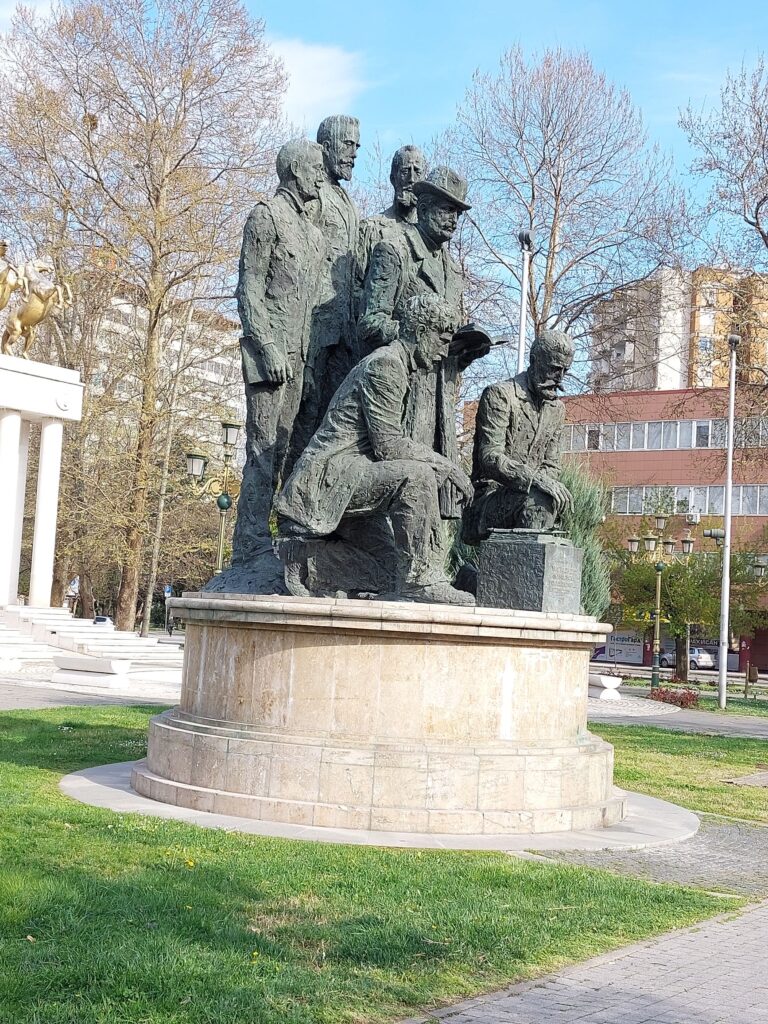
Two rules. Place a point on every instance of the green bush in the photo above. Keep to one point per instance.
(581, 525)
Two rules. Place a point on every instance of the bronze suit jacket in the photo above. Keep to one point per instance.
(398, 270)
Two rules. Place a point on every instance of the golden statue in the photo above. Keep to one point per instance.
(11, 278)
(42, 296)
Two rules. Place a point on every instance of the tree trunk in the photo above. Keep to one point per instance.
(681, 654)
(155, 561)
(60, 581)
(127, 595)
(87, 606)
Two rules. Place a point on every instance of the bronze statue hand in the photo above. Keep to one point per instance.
(559, 494)
(469, 343)
(277, 369)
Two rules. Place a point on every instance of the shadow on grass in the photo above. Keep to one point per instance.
(64, 740)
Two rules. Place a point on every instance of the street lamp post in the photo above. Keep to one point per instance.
(656, 663)
(651, 543)
(525, 238)
(225, 488)
(725, 586)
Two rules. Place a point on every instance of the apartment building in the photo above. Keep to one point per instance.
(670, 332)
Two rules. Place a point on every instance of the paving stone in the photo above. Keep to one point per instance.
(711, 975)
(724, 856)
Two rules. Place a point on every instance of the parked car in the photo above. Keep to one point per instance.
(102, 620)
(699, 658)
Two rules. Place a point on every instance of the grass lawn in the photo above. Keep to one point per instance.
(134, 920)
(689, 769)
(734, 706)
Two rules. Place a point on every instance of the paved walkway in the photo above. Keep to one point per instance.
(713, 973)
(708, 722)
(30, 695)
(725, 855)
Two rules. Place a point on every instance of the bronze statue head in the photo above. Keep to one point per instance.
(408, 166)
(429, 325)
(551, 359)
(301, 168)
(339, 135)
(441, 198)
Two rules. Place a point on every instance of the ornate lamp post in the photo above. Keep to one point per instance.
(651, 543)
(224, 488)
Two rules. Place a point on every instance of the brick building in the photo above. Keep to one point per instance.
(664, 451)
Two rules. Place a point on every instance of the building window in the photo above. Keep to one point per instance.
(715, 504)
(684, 434)
(608, 437)
(579, 437)
(621, 499)
(650, 500)
(669, 434)
(702, 433)
(682, 500)
(666, 502)
(635, 502)
(762, 504)
(719, 434)
(699, 500)
(622, 437)
(749, 500)
(567, 438)
(705, 346)
(654, 435)
(638, 436)
(593, 438)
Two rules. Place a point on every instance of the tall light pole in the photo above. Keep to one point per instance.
(525, 238)
(651, 543)
(734, 341)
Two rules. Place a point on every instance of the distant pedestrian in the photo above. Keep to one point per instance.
(171, 625)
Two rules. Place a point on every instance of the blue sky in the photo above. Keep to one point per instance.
(403, 67)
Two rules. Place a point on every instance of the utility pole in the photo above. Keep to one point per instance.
(734, 341)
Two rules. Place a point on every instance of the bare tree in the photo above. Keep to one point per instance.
(153, 127)
(552, 147)
(732, 146)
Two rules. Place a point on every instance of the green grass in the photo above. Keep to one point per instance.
(689, 769)
(757, 706)
(736, 705)
(136, 920)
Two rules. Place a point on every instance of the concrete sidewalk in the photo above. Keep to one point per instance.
(708, 974)
(708, 722)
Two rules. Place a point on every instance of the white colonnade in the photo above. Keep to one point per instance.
(32, 392)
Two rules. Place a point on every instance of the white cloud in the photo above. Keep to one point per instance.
(322, 80)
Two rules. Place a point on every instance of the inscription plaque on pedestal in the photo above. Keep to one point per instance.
(531, 571)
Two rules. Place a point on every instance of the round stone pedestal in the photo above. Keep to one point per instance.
(383, 716)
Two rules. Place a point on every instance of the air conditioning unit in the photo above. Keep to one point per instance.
(693, 518)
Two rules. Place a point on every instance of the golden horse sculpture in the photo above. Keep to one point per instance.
(12, 279)
(43, 296)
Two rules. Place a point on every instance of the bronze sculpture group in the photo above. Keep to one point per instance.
(352, 346)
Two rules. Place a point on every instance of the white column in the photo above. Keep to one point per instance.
(44, 541)
(10, 437)
(21, 493)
